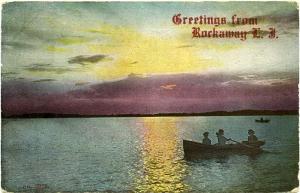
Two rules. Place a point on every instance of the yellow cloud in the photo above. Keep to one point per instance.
(71, 40)
(138, 53)
(55, 49)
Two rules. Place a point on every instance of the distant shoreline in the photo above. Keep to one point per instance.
(214, 113)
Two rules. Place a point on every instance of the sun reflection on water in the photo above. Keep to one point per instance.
(163, 170)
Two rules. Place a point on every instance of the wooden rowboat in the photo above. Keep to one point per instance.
(262, 120)
(191, 147)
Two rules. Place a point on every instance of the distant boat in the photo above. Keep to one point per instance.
(261, 120)
(191, 147)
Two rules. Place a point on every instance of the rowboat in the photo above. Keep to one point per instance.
(191, 147)
(262, 120)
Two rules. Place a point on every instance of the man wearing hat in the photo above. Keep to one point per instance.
(206, 140)
(221, 138)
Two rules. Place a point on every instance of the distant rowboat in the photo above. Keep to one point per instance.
(262, 120)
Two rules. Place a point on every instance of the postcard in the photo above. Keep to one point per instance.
(149, 97)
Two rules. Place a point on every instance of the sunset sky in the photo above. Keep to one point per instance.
(56, 53)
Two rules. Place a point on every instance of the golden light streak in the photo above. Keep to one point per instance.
(162, 168)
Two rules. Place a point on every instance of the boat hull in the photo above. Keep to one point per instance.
(262, 121)
(255, 144)
(191, 147)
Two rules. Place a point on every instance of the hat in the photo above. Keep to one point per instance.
(250, 131)
(205, 133)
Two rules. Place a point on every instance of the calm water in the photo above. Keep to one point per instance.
(144, 155)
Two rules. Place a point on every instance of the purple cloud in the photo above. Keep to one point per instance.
(184, 93)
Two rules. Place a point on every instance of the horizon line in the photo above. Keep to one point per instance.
(212, 113)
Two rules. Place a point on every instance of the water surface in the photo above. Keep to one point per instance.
(144, 155)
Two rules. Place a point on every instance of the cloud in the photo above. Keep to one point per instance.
(287, 21)
(185, 46)
(193, 93)
(168, 86)
(44, 80)
(17, 45)
(56, 49)
(9, 73)
(263, 80)
(69, 40)
(155, 55)
(191, 86)
(84, 60)
(280, 17)
(81, 83)
(15, 33)
(41, 67)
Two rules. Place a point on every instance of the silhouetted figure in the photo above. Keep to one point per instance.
(251, 138)
(221, 139)
(206, 140)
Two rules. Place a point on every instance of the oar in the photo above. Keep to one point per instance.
(249, 146)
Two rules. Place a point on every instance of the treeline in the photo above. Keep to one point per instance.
(214, 113)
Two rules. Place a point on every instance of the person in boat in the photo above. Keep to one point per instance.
(206, 140)
(221, 138)
(251, 136)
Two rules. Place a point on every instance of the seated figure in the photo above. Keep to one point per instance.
(252, 138)
(221, 139)
(206, 140)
